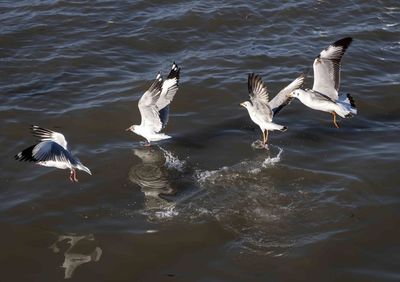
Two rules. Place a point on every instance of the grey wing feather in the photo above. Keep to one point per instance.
(169, 87)
(319, 96)
(327, 68)
(47, 134)
(257, 88)
(147, 106)
(283, 99)
(151, 96)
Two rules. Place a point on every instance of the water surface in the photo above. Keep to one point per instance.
(321, 204)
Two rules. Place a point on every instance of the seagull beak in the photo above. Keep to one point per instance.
(128, 129)
(242, 104)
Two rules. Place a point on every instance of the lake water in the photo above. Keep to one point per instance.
(321, 204)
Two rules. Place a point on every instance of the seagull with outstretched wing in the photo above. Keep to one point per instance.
(324, 95)
(261, 110)
(154, 106)
(51, 151)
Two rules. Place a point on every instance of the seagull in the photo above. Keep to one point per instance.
(260, 110)
(324, 94)
(51, 151)
(154, 106)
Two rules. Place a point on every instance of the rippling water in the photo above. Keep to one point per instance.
(321, 204)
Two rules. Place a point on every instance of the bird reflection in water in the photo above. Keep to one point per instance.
(155, 175)
(82, 249)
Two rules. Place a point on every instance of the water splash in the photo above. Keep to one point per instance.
(172, 162)
(248, 166)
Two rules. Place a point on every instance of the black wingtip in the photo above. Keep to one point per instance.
(249, 84)
(253, 81)
(344, 42)
(33, 127)
(36, 127)
(175, 71)
(26, 155)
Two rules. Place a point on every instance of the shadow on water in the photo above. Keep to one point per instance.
(81, 249)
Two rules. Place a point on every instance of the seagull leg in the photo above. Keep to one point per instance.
(75, 179)
(265, 134)
(334, 120)
(70, 175)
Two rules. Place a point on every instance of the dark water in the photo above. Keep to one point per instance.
(321, 204)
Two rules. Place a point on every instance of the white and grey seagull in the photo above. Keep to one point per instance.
(51, 151)
(324, 95)
(260, 110)
(154, 106)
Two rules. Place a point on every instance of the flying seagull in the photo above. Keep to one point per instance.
(324, 94)
(260, 110)
(154, 106)
(51, 151)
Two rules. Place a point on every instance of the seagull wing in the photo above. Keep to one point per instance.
(46, 151)
(168, 91)
(321, 97)
(327, 68)
(49, 135)
(282, 98)
(257, 89)
(164, 116)
(147, 106)
(169, 87)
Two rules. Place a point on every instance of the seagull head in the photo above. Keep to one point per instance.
(245, 104)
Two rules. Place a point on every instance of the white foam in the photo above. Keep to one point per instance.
(167, 213)
(172, 161)
(202, 176)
